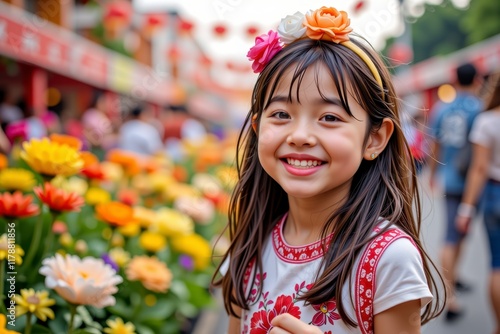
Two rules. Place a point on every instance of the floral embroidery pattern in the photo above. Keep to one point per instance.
(261, 320)
(325, 312)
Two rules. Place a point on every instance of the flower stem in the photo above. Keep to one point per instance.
(2, 278)
(50, 236)
(27, 329)
(35, 242)
(72, 309)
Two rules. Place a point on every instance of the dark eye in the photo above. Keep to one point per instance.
(281, 115)
(330, 118)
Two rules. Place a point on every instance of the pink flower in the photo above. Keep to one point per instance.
(266, 46)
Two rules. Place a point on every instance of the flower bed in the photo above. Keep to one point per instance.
(122, 245)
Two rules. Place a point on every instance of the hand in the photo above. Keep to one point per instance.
(462, 224)
(287, 324)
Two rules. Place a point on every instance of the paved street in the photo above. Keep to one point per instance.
(478, 318)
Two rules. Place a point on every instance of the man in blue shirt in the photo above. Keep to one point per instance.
(450, 125)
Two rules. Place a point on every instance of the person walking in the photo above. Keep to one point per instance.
(324, 238)
(484, 174)
(450, 126)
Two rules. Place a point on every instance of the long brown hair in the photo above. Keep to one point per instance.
(385, 187)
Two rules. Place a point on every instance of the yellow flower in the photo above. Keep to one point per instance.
(117, 326)
(112, 171)
(4, 250)
(3, 323)
(160, 181)
(73, 184)
(119, 256)
(195, 246)
(50, 158)
(96, 196)
(146, 217)
(152, 242)
(171, 222)
(130, 230)
(228, 176)
(36, 303)
(17, 179)
(151, 272)
(175, 190)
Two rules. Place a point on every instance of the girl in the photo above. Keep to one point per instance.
(325, 192)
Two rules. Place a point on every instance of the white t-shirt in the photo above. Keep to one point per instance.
(485, 133)
(289, 270)
(140, 137)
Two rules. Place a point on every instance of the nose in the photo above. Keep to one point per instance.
(301, 135)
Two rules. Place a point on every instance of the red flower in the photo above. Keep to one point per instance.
(16, 205)
(261, 320)
(325, 312)
(58, 199)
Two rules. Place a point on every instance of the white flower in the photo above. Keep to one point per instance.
(291, 28)
(87, 281)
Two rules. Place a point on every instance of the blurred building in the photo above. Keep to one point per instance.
(55, 52)
(421, 83)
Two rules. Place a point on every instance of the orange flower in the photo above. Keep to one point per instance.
(4, 162)
(88, 158)
(128, 161)
(151, 272)
(66, 140)
(58, 199)
(115, 213)
(328, 23)
(17, 205)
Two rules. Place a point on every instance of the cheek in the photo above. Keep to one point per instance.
(267, 135)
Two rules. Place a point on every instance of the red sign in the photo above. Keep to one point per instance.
(31, 39)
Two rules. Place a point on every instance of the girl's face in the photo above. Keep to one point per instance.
(312, 148)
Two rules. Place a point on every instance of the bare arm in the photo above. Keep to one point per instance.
(433, 160)
(402, 318)
(234, 323)
(476, 179)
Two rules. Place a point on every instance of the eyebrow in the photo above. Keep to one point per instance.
(321, 100)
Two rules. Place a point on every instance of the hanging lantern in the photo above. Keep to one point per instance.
(174, 53)
(117, 15)
(358, 6)
(153, 22)
(184, 26)
(252, 31)
(220, 30)
(205, 61)
(400, 53)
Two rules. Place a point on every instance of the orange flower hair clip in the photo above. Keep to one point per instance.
(326, 23)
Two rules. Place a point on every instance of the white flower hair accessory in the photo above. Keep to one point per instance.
(291, 28)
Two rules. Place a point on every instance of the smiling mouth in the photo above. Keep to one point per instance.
(303, 163)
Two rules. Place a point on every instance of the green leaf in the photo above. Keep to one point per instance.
(163, 309)
(142, 329)
(38, 329)
(180, 289)
(121, 309)
(86, 331)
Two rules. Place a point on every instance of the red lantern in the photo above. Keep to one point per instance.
(185, 26)
(220, 30)
(154, 21)
(174, 53)
(400, 53)
(252, 31)
(117, 14)
(205, 61)
(358, 6)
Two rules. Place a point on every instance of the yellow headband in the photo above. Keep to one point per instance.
(357, 50)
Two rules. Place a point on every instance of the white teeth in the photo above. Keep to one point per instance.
(303, 163)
